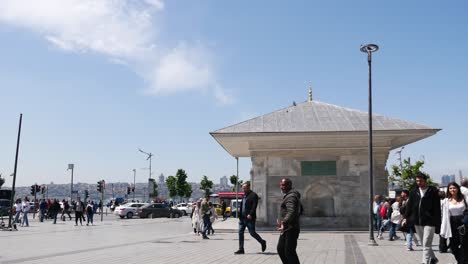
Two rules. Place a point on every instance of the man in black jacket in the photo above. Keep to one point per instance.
(423, 210)
(289, 225)
(247, 218)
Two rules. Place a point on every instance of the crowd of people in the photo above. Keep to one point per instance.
(51, 209)
(425, 211)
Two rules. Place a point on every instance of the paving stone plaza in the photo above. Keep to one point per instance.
(166, 240)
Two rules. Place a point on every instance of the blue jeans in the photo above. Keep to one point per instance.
(409, 238)
(393, 228)
(250, 224)
(206, 224)
(17, 215)
(25, 219)
(377, 221)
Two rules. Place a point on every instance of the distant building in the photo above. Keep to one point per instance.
(161, 178)
(460, 175)
(223, 182)
(446, 179)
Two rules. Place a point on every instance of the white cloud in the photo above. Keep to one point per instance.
(124, 31)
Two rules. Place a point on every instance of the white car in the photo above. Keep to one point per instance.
(128, 210)
(186, 208)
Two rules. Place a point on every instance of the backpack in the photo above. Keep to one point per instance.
(383, 212)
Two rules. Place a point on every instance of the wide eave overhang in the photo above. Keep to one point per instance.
(242, 144)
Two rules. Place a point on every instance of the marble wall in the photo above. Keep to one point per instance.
(338, 201)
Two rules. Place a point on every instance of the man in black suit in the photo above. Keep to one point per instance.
(247, 218)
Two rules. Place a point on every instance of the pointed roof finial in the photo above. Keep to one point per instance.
(310, 93)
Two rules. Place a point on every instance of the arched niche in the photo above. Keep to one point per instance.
(319, 201)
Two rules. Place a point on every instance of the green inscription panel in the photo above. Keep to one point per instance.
(311, 168)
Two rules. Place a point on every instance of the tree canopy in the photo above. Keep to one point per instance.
(233, 179)
(178, 185)
(206, 185)
(2, 181)
(405, 173)
(171, 186)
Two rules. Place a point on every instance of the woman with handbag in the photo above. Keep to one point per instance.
(453, 208)
(395, 218)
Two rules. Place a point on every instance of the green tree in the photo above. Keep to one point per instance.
(183, 188)
(171, 184)
(154, 188)
(206, 185)
(405, 173)
(2, 181)
(233, 180)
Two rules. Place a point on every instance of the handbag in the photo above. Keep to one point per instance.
(404, 226)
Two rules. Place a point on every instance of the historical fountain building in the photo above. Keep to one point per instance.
(323, 148)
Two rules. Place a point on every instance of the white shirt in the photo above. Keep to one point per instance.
(26, 207)
(18, 207)
(456, 209)
(376, 207)
(422, 192)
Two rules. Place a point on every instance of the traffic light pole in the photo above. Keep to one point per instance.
(102, 203)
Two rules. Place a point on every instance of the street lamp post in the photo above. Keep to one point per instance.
(134, 176)
(150, 156)
(71, 167)
(369, 49)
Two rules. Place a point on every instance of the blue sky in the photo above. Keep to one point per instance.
(96, 80)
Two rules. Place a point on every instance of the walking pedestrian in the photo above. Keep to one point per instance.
(247, 218)
(452, 217)
(376, 212)
(395, 218)
(407, 227)
(289, 225)
(66, 210)
(223, 209)
(90, 212)
(424, 211)
(42, 210)
(54, 210)
(18, 208)
(79, 209)
(205, 213)
(25, 207)
(196, 218)
(213, 217)
(385, 214)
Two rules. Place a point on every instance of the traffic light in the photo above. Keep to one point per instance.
(86, 194)
(99, 186)
(38, 188)
(43, 189)
(33, 189)
(128, 190)
(133, 189)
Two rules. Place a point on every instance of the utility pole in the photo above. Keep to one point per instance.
(14, 172)
(134, 176)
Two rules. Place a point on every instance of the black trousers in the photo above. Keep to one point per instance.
(287, 244)
(456, 245)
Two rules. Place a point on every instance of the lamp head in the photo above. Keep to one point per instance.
(369, 48)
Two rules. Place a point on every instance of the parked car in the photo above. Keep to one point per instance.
(185, 208)
(159, 210)
(128, 210)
